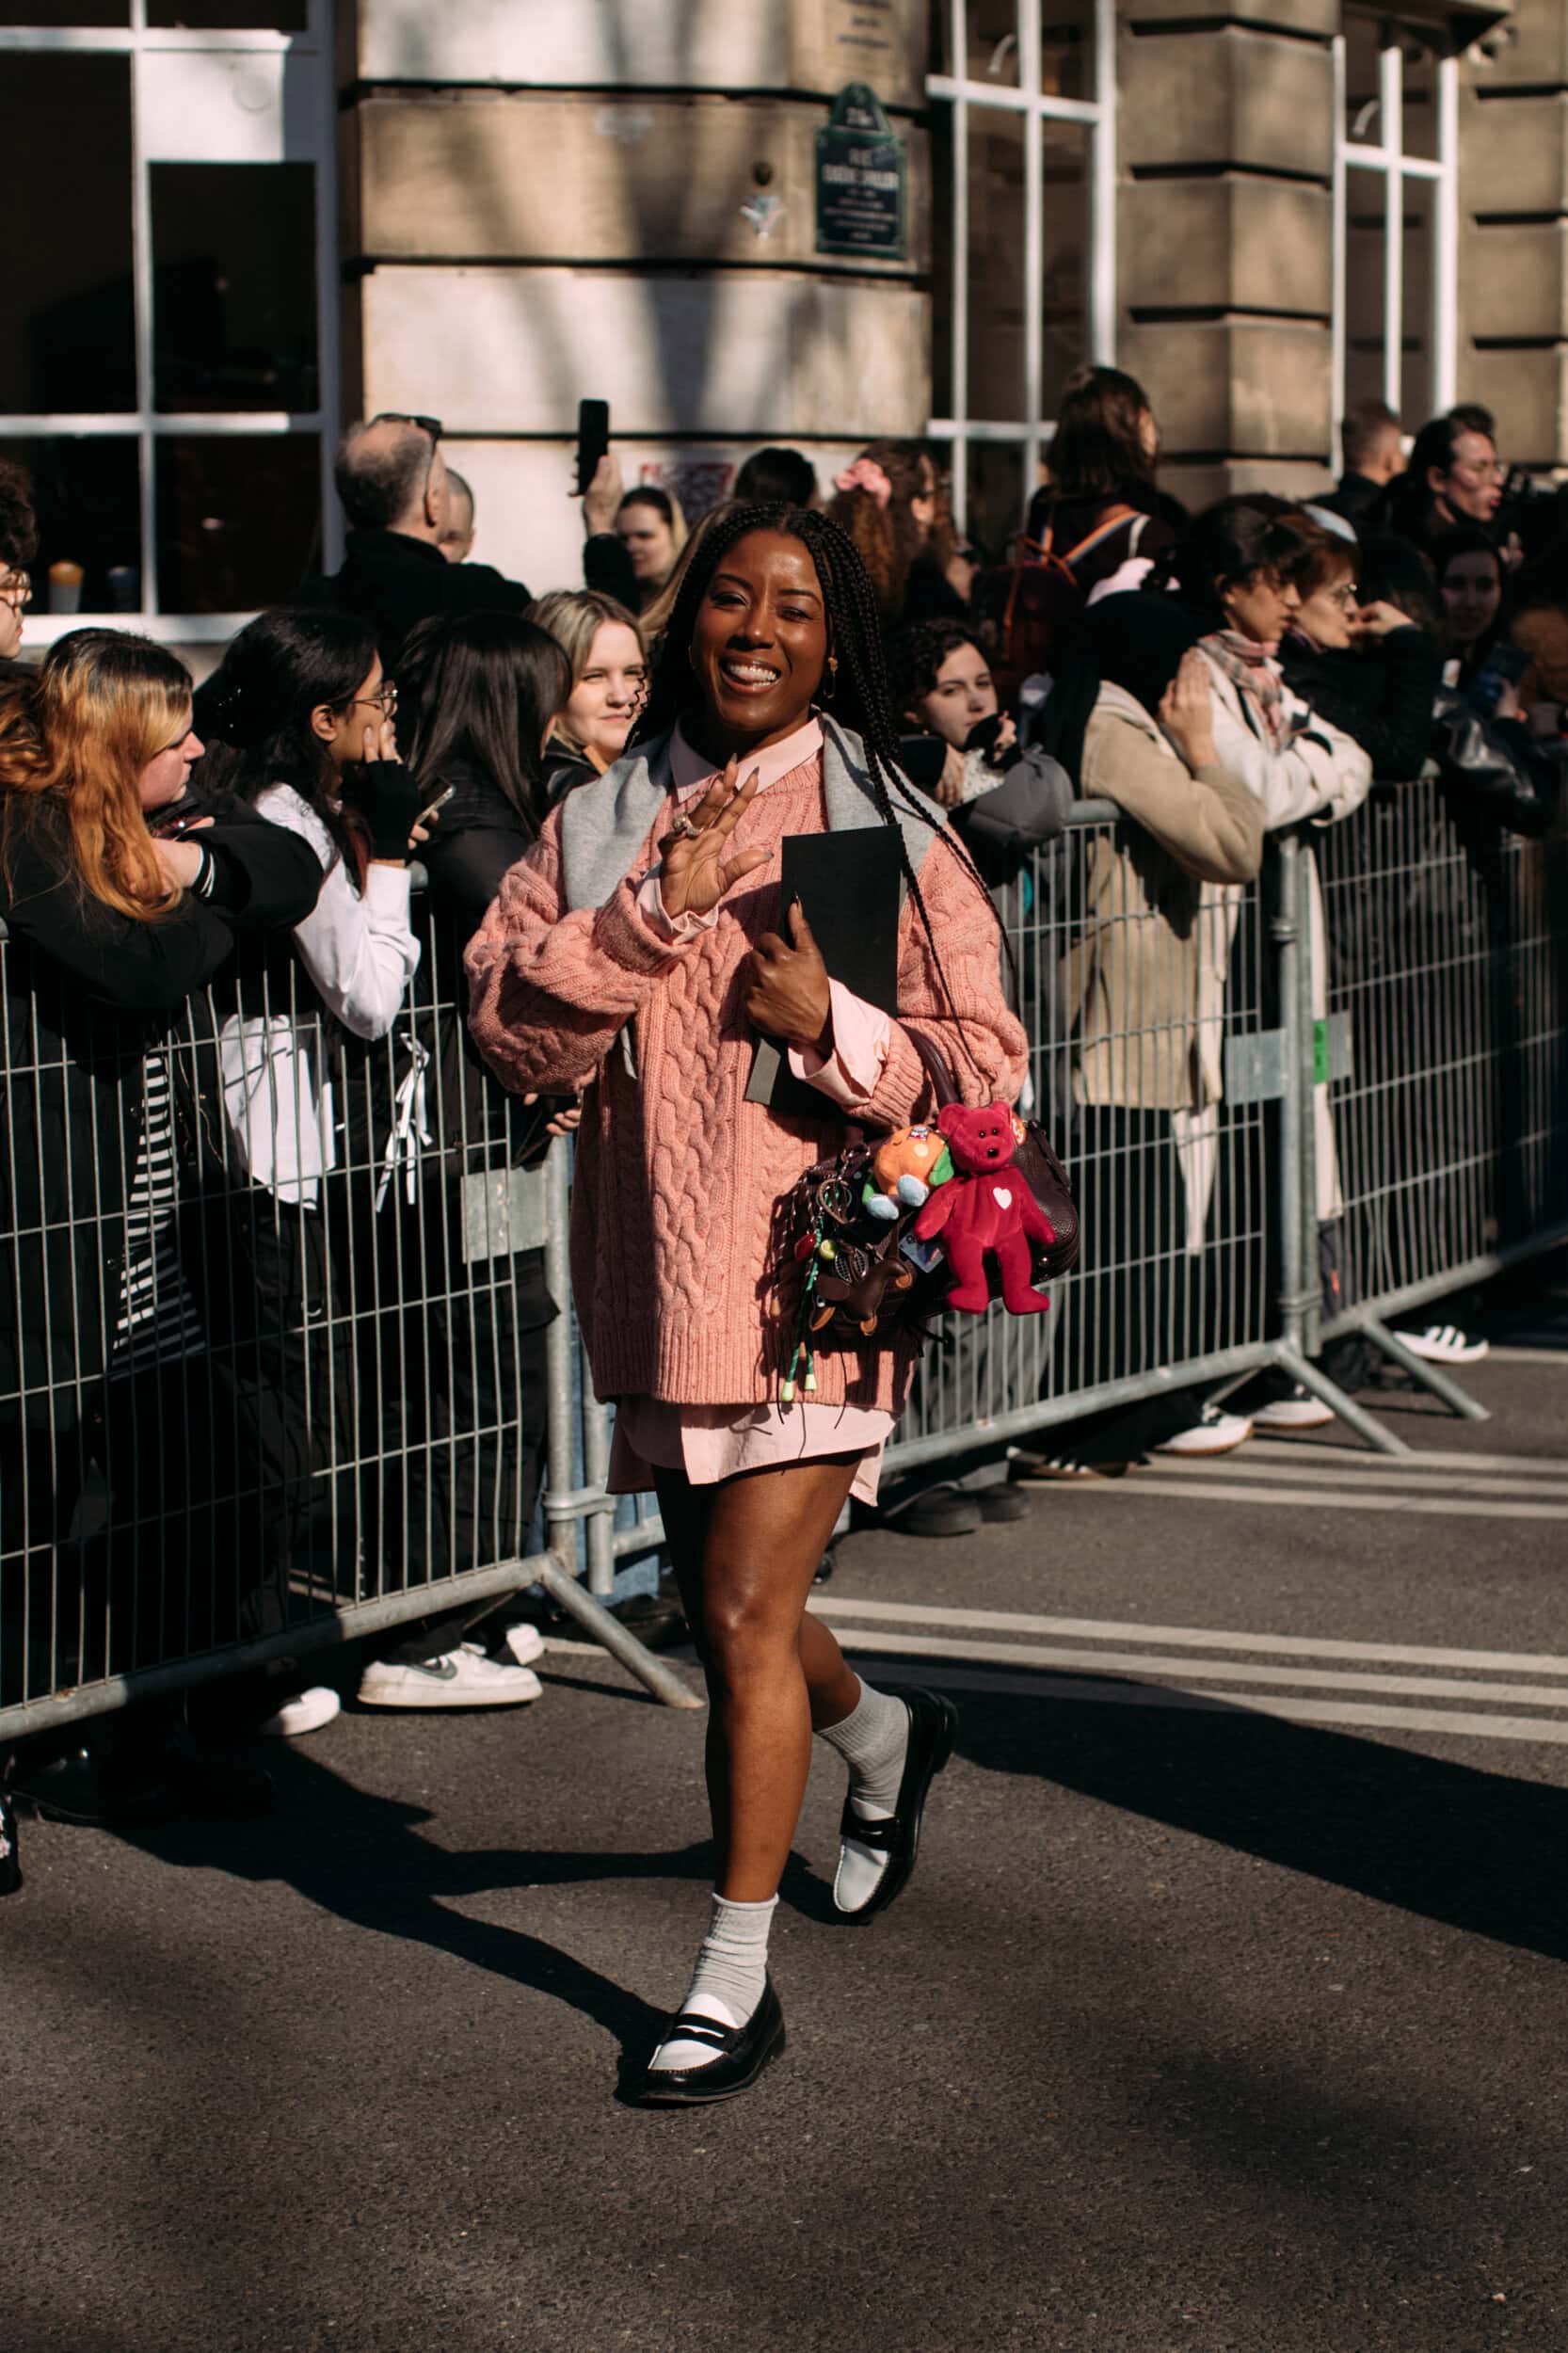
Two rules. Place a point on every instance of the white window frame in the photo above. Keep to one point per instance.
(138, 41)
(1388, 159)
(1032, 432)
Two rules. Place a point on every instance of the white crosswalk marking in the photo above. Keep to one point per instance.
(1490, 1695)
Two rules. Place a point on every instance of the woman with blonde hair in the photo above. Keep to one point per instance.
(110, 930)
(608, 653)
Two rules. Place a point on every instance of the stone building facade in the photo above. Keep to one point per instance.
(486, 210)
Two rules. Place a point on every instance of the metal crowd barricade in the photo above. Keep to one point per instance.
(1443, 1045)
(292, 1406)
(271, 1380)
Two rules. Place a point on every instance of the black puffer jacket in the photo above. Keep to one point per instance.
(1382, 698)
(1496, 777)
(85, 994)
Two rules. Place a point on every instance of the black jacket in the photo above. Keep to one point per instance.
(563, 771)
(84, 992)
(393, 581)
(1382, 700)
(1356, 495)
(607, 569)
(1496, 777)
(265, 878)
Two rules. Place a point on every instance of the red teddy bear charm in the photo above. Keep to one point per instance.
(985, 1207)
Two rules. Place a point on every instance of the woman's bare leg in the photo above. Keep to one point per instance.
(772, 1674)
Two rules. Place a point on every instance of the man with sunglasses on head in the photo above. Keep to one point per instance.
(391, 478)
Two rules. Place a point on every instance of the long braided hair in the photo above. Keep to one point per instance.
(860, 701)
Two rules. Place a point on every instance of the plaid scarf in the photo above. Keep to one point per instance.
(1255, 676)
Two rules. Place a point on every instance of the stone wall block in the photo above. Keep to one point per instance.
(1233, 244)
(1513, 154)
(1228, 97)
(1319, 17)
(1252, 389)
(647, 44)
(472, 175)
(755, 355)
(1528, 389)
(1517, 280)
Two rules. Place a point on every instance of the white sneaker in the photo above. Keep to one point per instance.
(306, 1712)
(1215, 1433)
(1444, 1344)
(525, 1642)
(1301, 1410)
(460, 1678)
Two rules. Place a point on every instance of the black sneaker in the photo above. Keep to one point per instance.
(941, 1512)
(10, 1853)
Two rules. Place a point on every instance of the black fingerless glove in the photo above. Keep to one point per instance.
(387, 799)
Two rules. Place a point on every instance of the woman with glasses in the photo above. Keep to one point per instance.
(1454, 476)
(1358, 661)
(298, 719)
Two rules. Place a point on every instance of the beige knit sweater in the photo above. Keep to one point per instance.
(676, 1174)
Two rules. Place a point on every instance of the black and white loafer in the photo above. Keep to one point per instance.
(740, 2054)
(933, 1730)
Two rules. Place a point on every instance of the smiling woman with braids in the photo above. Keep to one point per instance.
(641, 943)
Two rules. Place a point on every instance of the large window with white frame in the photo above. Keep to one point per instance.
(1397, 220)
(1024, 174)
(168, 317)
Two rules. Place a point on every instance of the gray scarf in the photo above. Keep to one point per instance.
(605, 823)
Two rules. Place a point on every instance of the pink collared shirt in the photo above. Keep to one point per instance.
(862, 1033)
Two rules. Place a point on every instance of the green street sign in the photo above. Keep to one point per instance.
(860, 180)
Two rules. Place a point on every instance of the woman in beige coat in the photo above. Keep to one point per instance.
(1145, 984)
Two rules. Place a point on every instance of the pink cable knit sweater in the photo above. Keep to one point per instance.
(676, 1174)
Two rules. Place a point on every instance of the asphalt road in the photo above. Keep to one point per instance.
(1226, 2011)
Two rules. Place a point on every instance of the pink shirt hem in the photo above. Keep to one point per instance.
(713, 1442)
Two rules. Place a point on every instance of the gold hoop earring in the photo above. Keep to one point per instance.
(825, 694)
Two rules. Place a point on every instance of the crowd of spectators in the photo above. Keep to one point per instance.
(1218, 677)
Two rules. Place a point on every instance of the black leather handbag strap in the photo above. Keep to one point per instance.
(943, 1085)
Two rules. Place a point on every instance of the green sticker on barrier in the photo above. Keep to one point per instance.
(1320, 1053)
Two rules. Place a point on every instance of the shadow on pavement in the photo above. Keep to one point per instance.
(359, 1856)
(1480, 1851)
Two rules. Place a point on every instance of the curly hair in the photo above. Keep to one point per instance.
(18, 523)
(886, 537)
(860, 698)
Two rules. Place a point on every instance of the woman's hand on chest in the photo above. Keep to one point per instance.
(788, 993)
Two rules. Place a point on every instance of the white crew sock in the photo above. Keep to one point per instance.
(728, 1981)
(874, 1740)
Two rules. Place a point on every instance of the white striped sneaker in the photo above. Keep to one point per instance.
(1214, 1432)
(1444, 1344)
(460, 1679)
(1301, 1410)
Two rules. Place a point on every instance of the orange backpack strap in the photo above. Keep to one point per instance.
(1114, 521)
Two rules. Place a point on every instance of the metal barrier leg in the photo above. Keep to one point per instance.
(595, 1620)
(558, 1579)
(1298, 1301)
(1355, 1417)
(1430, 1376)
